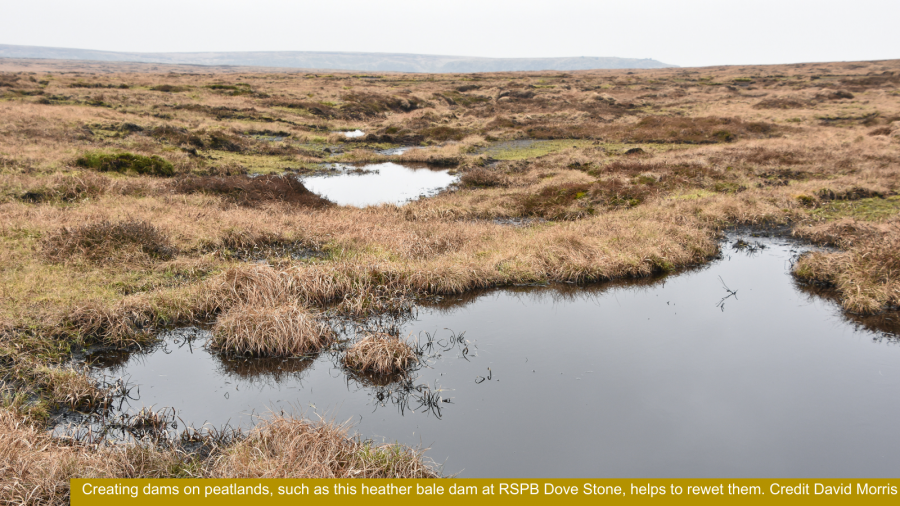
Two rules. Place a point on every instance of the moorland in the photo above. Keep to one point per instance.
(136, 200)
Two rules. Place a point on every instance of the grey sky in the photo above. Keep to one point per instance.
(687, 33)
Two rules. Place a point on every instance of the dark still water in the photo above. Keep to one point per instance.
(657, 378)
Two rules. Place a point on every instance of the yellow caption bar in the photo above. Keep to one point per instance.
(472, 492)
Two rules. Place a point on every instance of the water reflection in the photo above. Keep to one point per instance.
(380, 183)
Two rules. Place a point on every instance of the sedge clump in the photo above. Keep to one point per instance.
(263, 331)
(380, 354)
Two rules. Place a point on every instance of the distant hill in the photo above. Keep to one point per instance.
(384, 62)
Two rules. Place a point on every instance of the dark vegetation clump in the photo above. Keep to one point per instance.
(253, 191)
(99, 85)
(881, 131)
(168, 88)
(765, 156)
(554, 201)
(8, 80)
(359, 105)
(232, 89)
(461, 99)
(706, 130)
(124, 163)
(354, 106)
(660, 130)
(443, 133)
(853, 193)
(176, 136)
(105, 241)
(222, 142)
(864, 83)
(314, 108)
(782, 103)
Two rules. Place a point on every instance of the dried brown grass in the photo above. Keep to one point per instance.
(866, 274)
(36, 468)
(264, 331)
(380, 354)
(105, 241)
(289, 448)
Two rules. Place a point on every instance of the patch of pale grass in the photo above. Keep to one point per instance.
(269, 331)
(380, 354)
(292, 448)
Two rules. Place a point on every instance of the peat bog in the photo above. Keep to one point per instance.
(529, 269)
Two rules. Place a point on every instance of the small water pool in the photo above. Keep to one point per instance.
(381, 183)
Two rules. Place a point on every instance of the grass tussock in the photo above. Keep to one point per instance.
(380, 354)
(280, 331)
(105, 242)
(289, 448)
(866, 273)
(72, 388)
(253, 191)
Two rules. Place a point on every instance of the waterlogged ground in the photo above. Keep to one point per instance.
(731, 370)
(381, 183)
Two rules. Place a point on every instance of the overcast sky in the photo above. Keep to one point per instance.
(686, 32)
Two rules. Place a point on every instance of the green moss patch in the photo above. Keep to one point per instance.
(872, 209)
(124, 163)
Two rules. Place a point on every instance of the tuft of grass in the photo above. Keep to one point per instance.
(281, 331)
(285, 447)
(105, 242)
(70, 387)
(380, 354)
(866, 273)
(125, 163)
